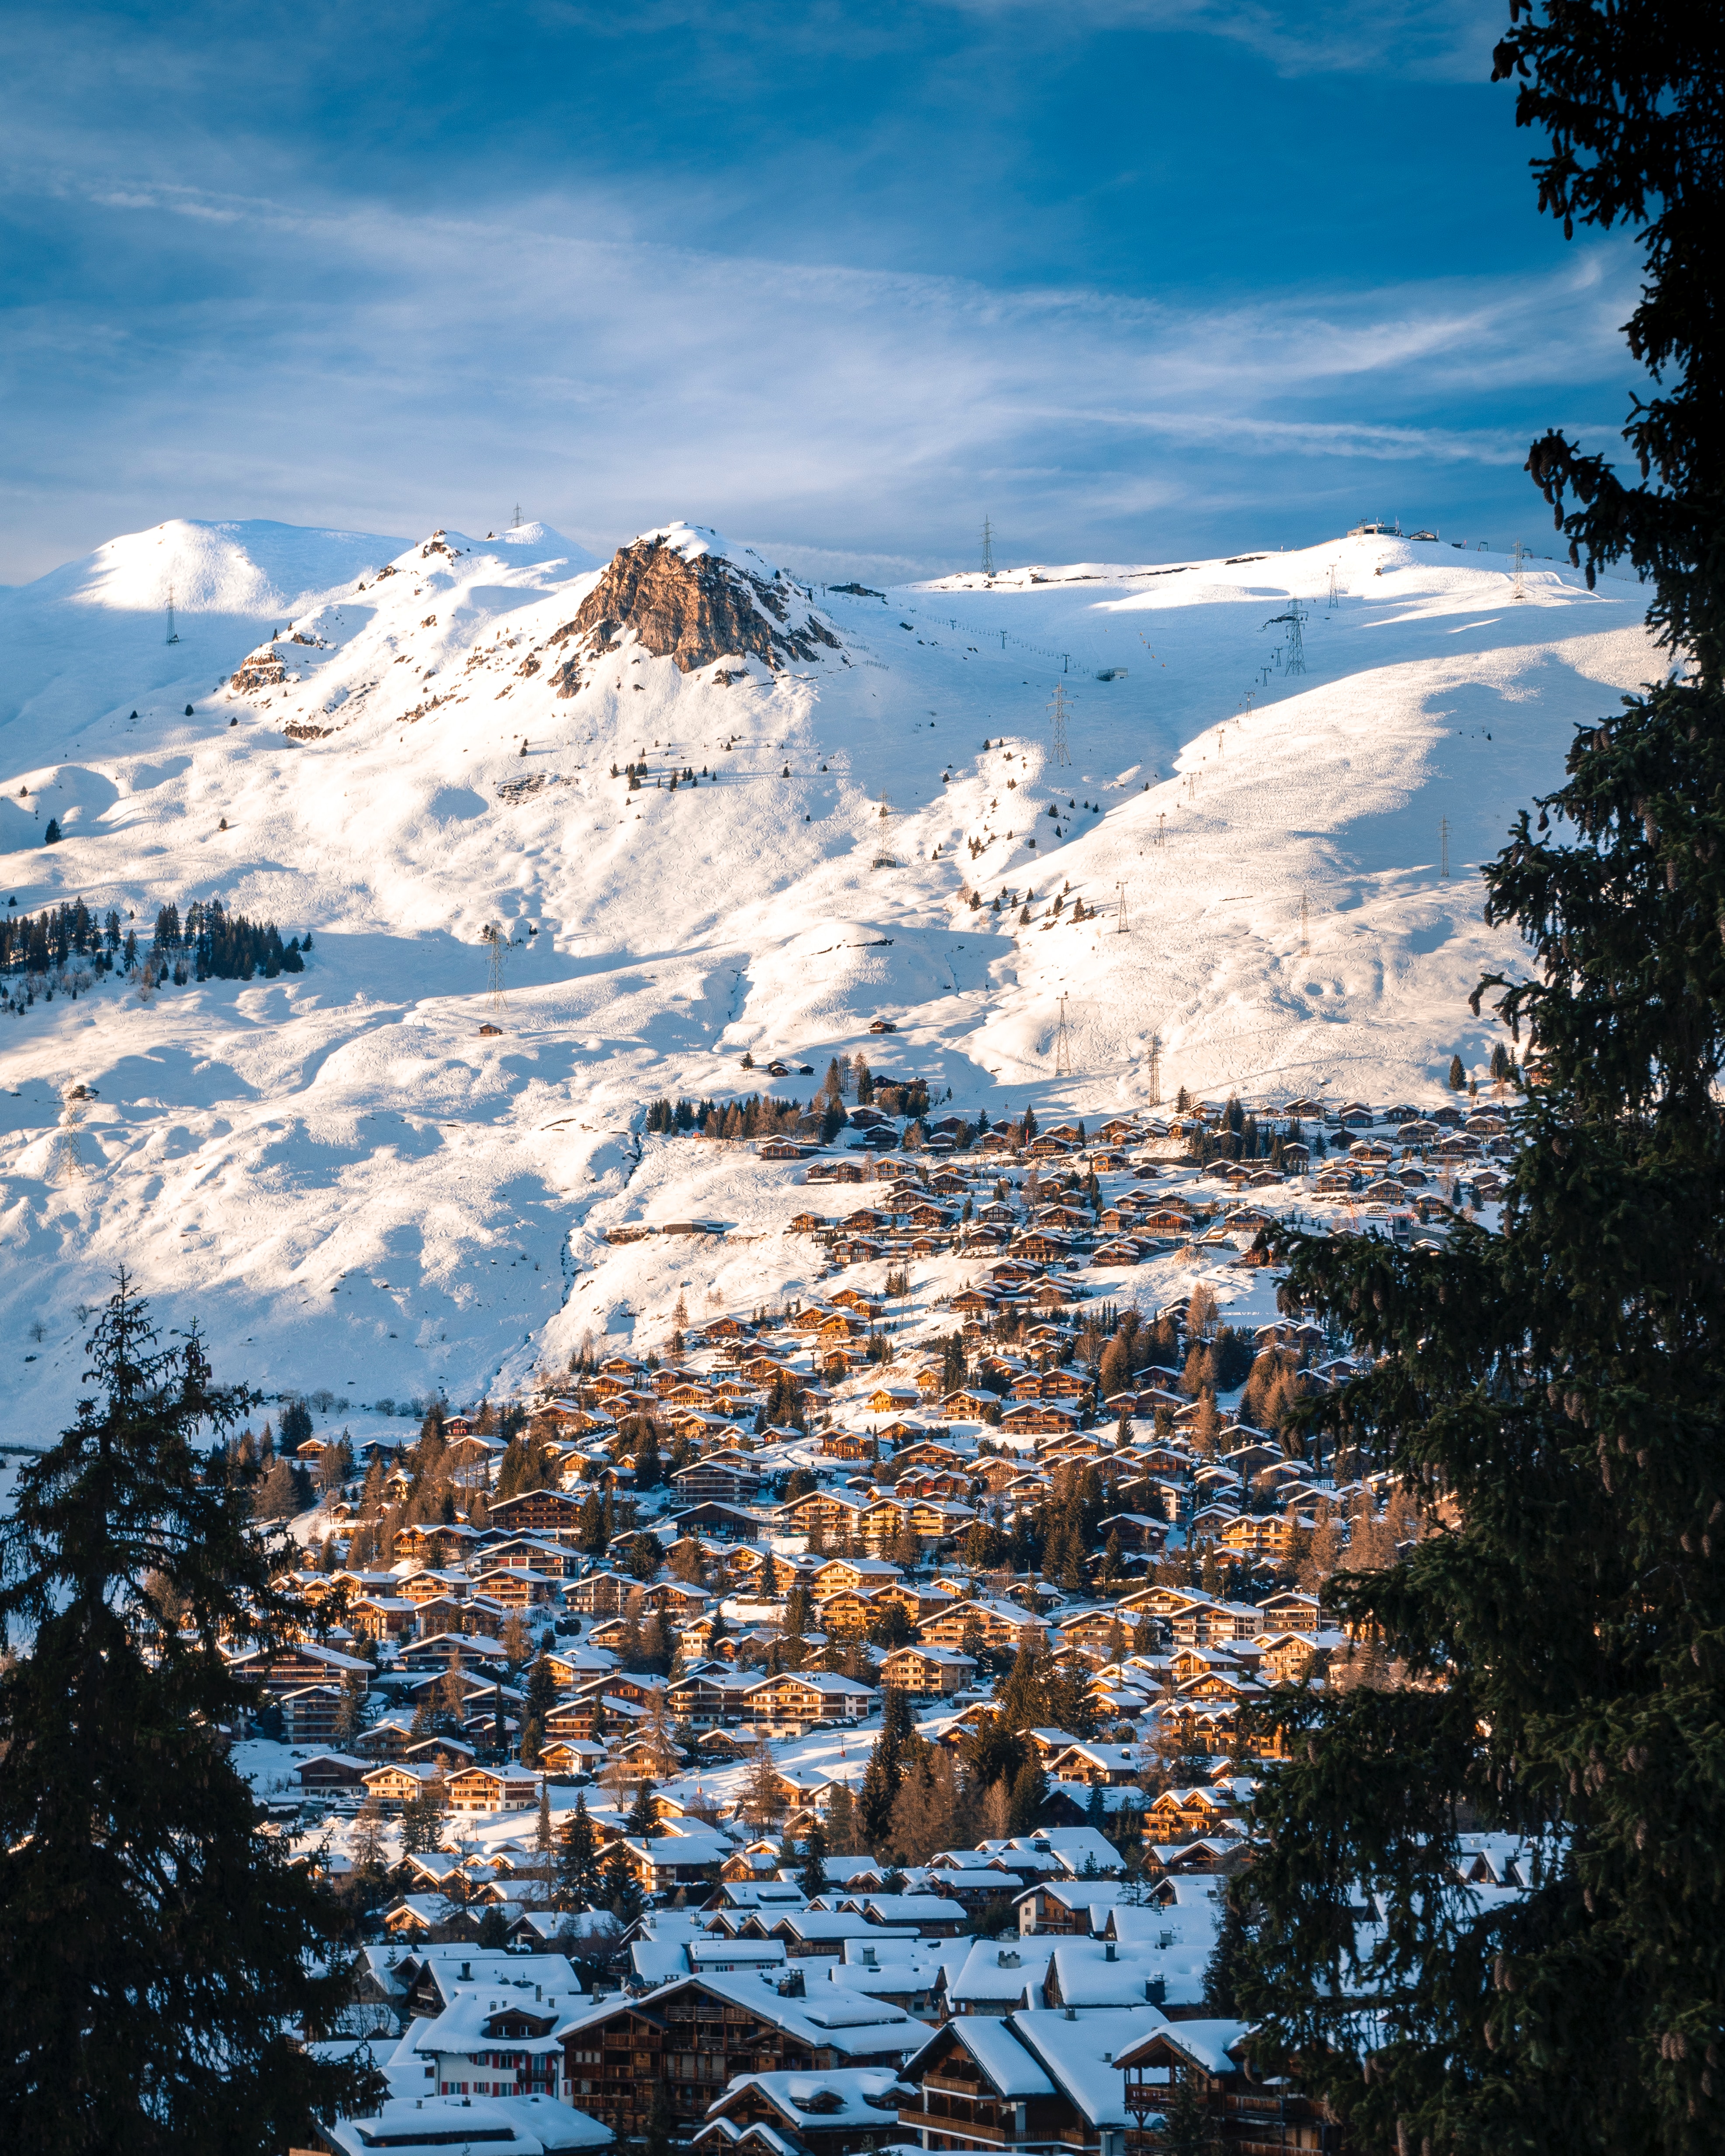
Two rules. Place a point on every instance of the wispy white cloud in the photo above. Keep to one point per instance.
(362, 364)
(1431, 40)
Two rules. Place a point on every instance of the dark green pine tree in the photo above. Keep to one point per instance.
(885, 1768)
(643, 1820)
(661, 2125)
(1069, 1704)
(1021, 1702)
(542, 1689)
(814, 1878)
(590, 1526)
(156, 1949)
(1026, 1798)
(1560, 1385)
(1189, 2127)
(578, 1861)
(622, 1889)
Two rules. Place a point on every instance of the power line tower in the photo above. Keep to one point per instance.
(1063, 1045)
(1335, 586)
(173, 634)
(1161, 827)
(989, 551)
(69, 1165)
(1122, 926)
(1156, 1069)
(515, 524)
(1057, 709)
(1294, 662)
(1444, 842)
(494, 936)
(1520, 590)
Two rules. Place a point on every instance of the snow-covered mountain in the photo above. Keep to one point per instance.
(393, 747)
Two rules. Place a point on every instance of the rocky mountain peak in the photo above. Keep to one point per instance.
(688, 601)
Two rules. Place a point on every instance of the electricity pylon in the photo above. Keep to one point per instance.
(1063, 1045)
(492, 934)
(1122, 926)
(1156, 1069)
(69, 1165)
(1294, 662)
(173, 634)
(1520, 591)
(1057, 711)
(1335, 586)
(988, 549)
(1444, 842)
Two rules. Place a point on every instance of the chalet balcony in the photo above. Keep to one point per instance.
(971, 2132)
(1262, 2139)
(958, 2120)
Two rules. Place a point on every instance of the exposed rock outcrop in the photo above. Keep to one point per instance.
(693, 608)
(261, 669)
(512, 790)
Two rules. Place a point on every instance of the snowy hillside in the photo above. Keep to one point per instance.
(354, 1189)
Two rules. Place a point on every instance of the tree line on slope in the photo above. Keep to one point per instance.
(208, 943)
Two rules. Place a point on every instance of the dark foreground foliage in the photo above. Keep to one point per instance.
(155, 1949)
(1558, 1389)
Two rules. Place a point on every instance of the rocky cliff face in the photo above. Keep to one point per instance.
(261, 669)
(693, 610)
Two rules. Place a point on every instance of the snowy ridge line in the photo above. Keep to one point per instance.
(355, 1118)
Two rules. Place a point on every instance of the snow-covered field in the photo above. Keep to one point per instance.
(350, 1189)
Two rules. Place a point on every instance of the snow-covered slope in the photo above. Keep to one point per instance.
(352, 1188)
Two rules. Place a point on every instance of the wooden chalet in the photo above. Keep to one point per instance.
(695, 2038)
(556, 1512)
(1245, 2115)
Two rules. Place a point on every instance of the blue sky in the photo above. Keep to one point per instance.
(1138, 278)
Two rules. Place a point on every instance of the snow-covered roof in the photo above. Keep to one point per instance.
(1011, 2069)
(1072, 1847)
(1207, 2043)
(656, 1963)
(997, 1973)
(437, 2125)
(461, 2028)
(1078, 2049)
(851, 2023)
(799, 2095)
